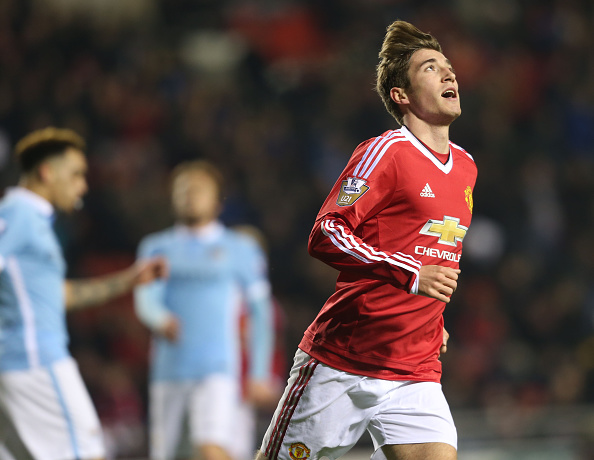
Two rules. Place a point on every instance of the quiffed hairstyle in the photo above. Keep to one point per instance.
(41, 144)
(200, 166)
(401, 41)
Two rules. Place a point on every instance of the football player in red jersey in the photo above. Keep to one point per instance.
(393, 225)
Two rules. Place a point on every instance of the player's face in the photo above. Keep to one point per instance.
(433, 94)
(66, 179)
(195, 197)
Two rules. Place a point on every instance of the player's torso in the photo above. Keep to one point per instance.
(426, 211)
(32, 294)
(42, 256)
(200, 262)
(203, 291)
(431, 209)
(427, 218)
(37, 248)
(201, 269)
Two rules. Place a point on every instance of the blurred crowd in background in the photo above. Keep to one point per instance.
(278, 93)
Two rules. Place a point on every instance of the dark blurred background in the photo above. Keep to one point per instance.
(278, 93)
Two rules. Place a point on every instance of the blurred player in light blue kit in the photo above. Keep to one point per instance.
(195, 318)
(45, 410)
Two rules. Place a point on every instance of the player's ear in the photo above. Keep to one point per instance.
(399, 96)
(45, 172)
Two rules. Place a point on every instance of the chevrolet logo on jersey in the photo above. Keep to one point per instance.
(448, 230)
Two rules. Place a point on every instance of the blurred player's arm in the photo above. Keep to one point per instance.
(261, 327)
(149, 299)
(151, 310)
(93, 291)
(261, 343)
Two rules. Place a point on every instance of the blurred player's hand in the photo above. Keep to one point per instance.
(444, 343)
(438, 282)
(148, 270)
(170, 329)
(262, 394)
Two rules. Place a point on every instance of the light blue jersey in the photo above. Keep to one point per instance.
(32, 314)
(212, 273)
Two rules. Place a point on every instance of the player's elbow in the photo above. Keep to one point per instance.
(314, 242)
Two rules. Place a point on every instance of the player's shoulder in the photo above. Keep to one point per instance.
(157, 239)
(377, 152)
(8, 207)
(246, 249)
(462, 152)
(463, 157)
(13, 210)
(387, 139)
(239, 239)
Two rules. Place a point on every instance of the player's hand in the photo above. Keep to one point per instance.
(170, 329)
(438, 282)
(444, 343)
(262, 394)
(148, 270)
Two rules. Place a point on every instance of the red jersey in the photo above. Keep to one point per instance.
(395, 206)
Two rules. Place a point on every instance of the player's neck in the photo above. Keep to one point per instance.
(194, 223)
(35, 187)
(434, 136)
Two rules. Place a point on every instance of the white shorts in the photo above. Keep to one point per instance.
(46, 414)
(244, 433)
(323, 413)
(203, 411)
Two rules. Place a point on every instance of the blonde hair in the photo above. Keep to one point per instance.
(401, 41)
(41, 144)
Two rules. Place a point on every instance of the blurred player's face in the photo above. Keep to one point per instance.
(195, 198)
(433, 93)
(65, 178)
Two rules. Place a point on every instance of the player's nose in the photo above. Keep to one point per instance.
(449, 75)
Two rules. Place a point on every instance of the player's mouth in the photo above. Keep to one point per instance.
(450, 93)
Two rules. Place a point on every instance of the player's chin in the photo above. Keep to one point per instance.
(70, 207)
(450, 116)
(454, 110)
(446, 116)
(67, 209)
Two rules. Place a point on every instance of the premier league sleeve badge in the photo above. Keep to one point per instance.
(351, 190)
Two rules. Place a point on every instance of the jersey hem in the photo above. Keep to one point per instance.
(343, 360)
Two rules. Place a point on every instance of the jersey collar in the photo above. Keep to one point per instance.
(32, 198)
(445, 168)
(209, 232)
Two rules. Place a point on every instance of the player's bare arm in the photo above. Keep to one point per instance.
(263, 394)
(93, 291)
(438, 282)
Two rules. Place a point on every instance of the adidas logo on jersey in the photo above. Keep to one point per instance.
(427, 192)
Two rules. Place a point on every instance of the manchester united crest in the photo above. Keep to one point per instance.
(299, 451)
(468, 198)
